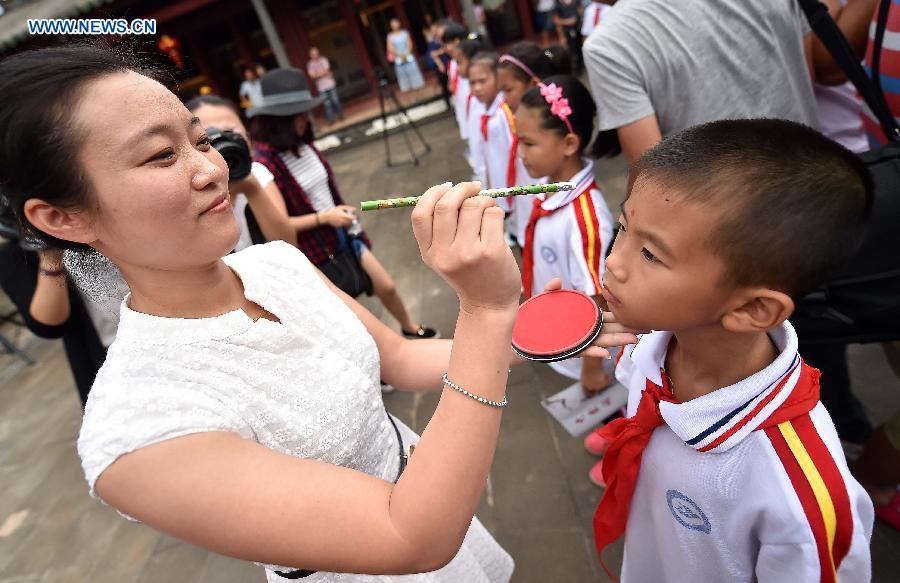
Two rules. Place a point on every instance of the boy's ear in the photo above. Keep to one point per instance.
(68, 225)
(758, 310)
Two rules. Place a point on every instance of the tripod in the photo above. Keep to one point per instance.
(385, 91)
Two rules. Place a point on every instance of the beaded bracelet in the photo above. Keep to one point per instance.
(455, 387)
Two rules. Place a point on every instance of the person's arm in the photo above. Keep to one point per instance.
(854, 20)
(338, 217)
(50, 304)
(239, 498)
(273, 221)
(638, 137)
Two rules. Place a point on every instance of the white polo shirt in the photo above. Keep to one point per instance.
(594, 13)
(461, 96)
(571, 244)
(718, 500)
(476, 144)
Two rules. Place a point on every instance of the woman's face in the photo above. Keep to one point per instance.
(221, 117)
(158, 191)
(395, 24)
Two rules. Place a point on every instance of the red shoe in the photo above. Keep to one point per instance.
(595, 475)
(890, 512)
(595, 444)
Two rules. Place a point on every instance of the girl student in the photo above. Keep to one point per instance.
(469, 108)
(238, 408)
(568, 233)
(497, 137)
(518, 70)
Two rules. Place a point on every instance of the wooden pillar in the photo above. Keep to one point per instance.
(198, 58)
(453, 9)
(356, 35)
(525, 19)
(243, 43)
(291, 30)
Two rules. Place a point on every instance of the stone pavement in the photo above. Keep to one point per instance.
(538, 502)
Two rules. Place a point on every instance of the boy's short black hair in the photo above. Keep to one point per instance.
(453, 31)
(792, 203)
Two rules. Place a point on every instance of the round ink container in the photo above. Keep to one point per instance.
(556, 325)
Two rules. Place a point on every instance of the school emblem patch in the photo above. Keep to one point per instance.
(548, 254)
(686, 512)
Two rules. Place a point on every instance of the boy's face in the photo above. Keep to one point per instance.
(483, 82)
(661, 275)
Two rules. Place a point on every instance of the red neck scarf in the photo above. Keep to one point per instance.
(629, 436)
(537, 211)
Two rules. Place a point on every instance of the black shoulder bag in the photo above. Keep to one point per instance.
(861, 302)
(343, 267)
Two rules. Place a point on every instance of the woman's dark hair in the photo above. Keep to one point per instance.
(606, 144)
(38, 140)
(195, 103)
(544, 63)
(278, 132)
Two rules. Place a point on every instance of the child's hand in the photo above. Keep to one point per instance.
(593, 377)
(612, 334)
(460, 237)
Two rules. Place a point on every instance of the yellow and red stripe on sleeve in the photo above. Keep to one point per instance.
(589, 226)
(820, 488)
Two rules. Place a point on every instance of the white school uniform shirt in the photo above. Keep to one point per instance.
(496, 142)
(476, 143)
(594, 14)
(742, 510)
(571, 244)
(461, 96)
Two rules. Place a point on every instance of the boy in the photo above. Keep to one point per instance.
(727, 467)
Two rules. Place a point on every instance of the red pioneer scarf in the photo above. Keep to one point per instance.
(629, 436)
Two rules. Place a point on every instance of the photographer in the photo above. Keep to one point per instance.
(283, 136)
(255, 199)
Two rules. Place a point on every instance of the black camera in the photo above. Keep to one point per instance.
(234, 149)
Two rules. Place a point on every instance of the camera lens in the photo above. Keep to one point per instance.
(234, 149)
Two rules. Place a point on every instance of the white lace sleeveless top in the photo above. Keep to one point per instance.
(308, 386)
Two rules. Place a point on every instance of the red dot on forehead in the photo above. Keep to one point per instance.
(631, 214)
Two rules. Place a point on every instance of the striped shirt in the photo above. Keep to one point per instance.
(889, 69)
(733, 503)
(310, 174)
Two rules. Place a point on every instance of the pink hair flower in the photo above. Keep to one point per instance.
(551, 93)
(561, 109)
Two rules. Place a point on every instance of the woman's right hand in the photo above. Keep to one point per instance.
(339, 217)
(460, 237)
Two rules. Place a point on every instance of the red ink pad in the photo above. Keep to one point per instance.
(556, 325)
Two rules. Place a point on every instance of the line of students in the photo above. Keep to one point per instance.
(526, 120)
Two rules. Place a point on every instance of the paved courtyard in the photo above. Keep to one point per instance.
(538, 503)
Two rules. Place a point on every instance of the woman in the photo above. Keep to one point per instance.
(400, 47)
(283, 135)
(255, 200)
(231, 412)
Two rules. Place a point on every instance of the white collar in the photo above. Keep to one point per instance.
(709, 418)
(583, 179)
(495, 105)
